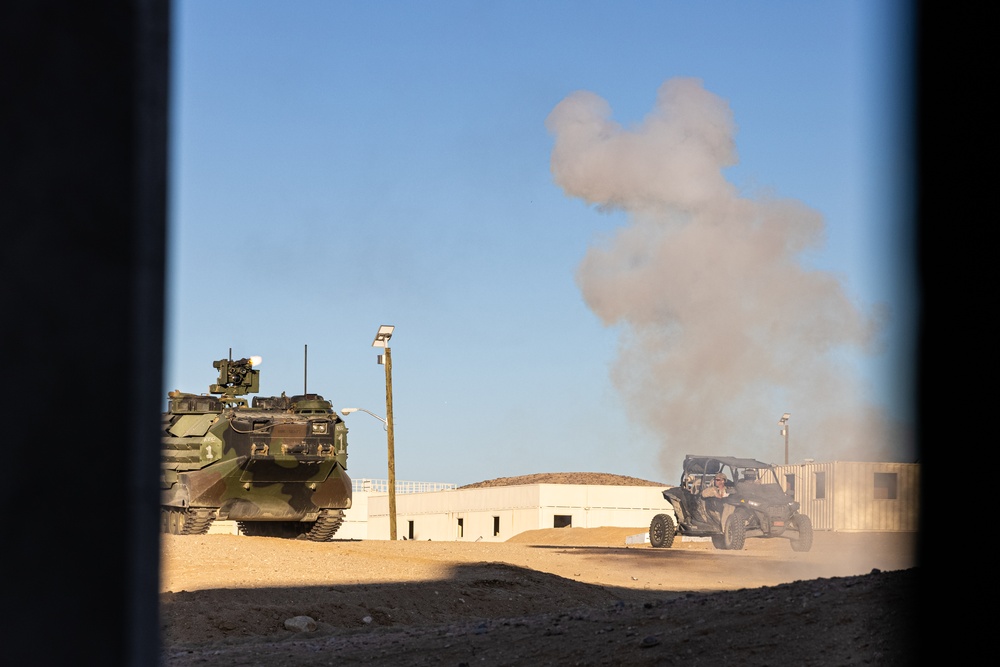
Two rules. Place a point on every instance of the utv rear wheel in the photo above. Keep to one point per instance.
(804, 541)
(661, 531)
(736, 531)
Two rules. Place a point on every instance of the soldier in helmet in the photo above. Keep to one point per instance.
(718, 488)
(714, 494)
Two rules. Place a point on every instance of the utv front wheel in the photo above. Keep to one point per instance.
(804, 541)
(736, 531)
(661, 531)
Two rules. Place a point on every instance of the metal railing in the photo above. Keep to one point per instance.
(382, 486)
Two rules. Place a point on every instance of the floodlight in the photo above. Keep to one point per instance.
(383, 335)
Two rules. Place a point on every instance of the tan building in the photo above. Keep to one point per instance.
(854, 496)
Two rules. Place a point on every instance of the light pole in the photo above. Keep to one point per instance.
(392, 471)
(382, 340)
(784, 431)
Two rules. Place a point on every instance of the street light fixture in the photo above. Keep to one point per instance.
(347, 411)
(382, 340)
(784, 431)
(383, 335)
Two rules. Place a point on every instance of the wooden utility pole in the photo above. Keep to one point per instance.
(391, 444)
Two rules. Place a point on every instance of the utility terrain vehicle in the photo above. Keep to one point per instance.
(756, 506)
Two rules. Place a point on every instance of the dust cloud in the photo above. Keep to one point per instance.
(723, 326)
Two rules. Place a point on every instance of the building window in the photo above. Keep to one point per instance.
(820, 483)
(410, 530)
(562, 521)
(496, 526)
(461, 528)
(790, 485)
(885, 485)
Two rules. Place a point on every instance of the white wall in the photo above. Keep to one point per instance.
(355, 526)
(514, 509)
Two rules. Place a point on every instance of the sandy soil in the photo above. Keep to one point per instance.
(568, 596)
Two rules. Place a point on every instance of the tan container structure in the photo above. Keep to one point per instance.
(856, 496)
(495, 514)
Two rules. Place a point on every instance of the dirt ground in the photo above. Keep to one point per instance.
(568, 596)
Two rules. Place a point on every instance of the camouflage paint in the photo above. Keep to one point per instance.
(281, 459)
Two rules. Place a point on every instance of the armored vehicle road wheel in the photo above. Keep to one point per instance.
(321, 530)
(661, 531)
(176, 521)
(804, 541)
(326, 525)
(736, 531)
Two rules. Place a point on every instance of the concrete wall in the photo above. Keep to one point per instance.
(495, 514)
(355, 526)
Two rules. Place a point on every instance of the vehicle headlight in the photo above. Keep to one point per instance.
(753, 503)
(319, 428)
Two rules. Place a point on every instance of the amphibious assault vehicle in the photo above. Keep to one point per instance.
(278, 467)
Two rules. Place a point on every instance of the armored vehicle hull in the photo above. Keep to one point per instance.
(278, 467)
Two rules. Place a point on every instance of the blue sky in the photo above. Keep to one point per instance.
(336, 166)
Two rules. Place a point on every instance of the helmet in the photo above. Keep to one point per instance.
(720, 475)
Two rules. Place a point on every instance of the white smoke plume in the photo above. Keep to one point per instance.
(723, 327)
